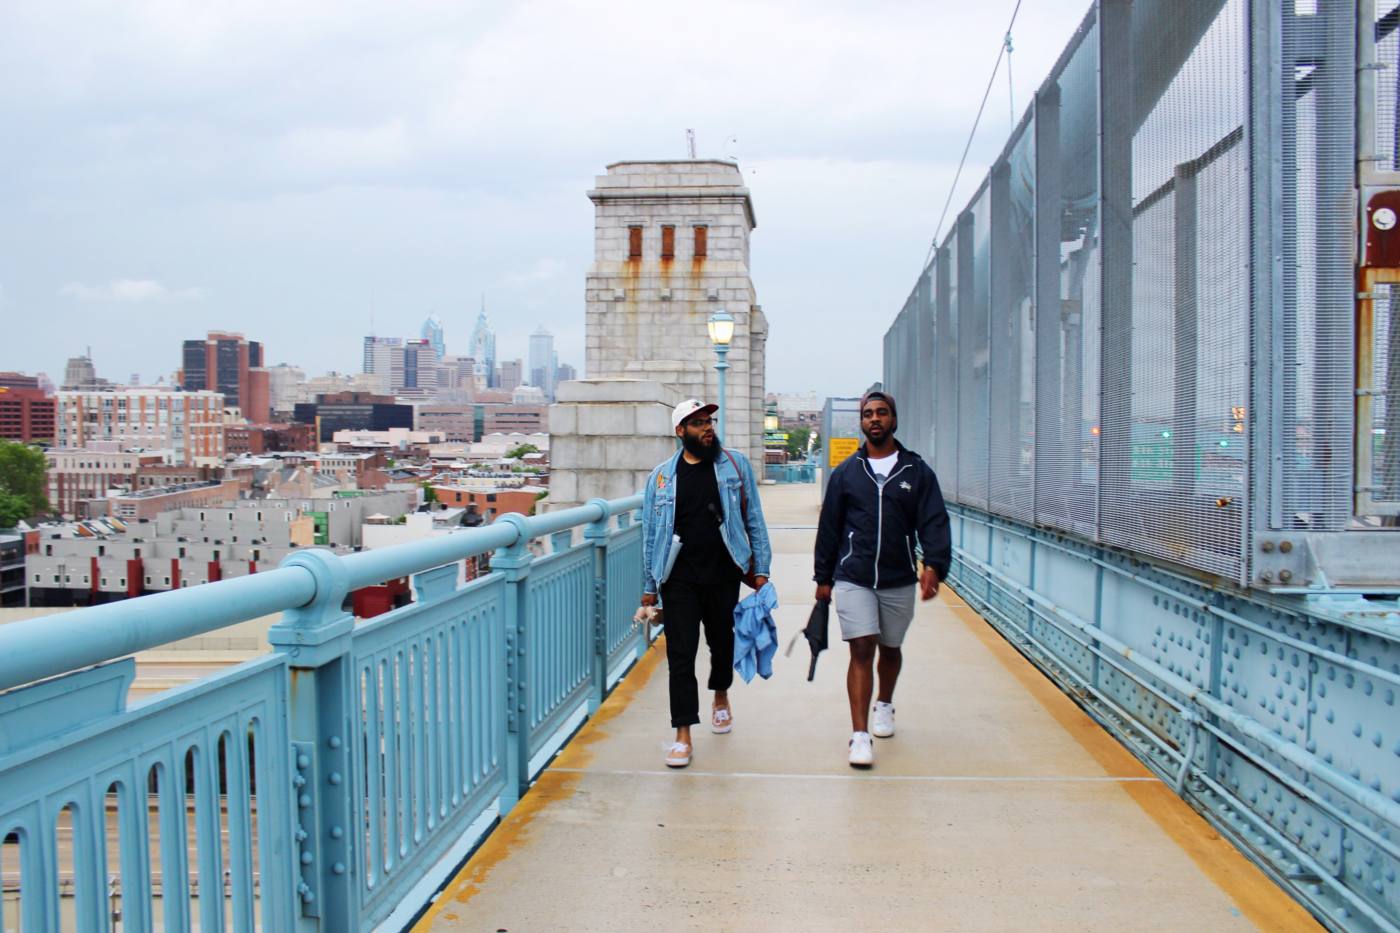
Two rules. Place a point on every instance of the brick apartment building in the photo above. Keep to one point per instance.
(104, 560)
(458, 424)
(86, 473)
(242, 439)
(27, 416)
(517, 419)
(489, 501)
(189, 424)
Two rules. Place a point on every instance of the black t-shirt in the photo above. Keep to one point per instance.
(703, 557)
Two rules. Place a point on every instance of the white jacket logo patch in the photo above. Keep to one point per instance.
(905, 486)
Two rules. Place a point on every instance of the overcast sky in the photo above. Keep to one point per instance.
(292, 170)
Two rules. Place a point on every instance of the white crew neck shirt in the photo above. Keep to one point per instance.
(883, 465)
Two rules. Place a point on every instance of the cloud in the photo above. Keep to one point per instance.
(130, 291)
(541, 270)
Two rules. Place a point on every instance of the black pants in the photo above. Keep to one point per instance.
(687, 606)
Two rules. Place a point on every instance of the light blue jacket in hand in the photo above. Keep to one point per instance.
(755, 633)
(744, 536)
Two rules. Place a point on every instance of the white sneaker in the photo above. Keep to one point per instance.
(862, 750)
(883, 727)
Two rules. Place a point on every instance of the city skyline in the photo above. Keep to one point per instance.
(180, 181)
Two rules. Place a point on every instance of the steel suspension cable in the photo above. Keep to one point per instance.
(952, 189)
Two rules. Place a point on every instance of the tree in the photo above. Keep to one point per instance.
(797, 441)
(23, 479)
(519, 452)
(430, 495)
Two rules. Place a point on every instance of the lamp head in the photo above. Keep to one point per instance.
(721, 328)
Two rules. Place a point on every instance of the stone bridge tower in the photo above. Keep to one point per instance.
(671, 248)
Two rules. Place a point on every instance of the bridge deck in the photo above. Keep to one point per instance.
(998, 805)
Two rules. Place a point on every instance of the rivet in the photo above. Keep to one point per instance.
(334, 778)
(333, 741)
(303, 762)
(1285, 546)
(337, 832)
(304, 801)
(1267, 547)
(1285, 575)
(306, 858)
(338, 868)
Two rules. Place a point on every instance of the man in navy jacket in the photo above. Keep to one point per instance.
(883, 509)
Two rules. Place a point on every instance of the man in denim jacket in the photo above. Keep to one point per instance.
(702, 532)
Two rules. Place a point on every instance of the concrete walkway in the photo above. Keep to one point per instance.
(999, 805)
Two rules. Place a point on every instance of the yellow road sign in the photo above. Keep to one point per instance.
(839, 448)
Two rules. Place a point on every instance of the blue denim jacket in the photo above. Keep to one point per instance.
(659, 518)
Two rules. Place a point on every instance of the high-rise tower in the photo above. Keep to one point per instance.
(433, 333)
(231, 364)
(542, 362)
(484, 348)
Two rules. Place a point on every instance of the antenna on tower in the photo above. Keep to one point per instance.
(690, 142)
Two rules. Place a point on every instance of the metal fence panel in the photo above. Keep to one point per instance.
(1012, 331)
(173, 815)
(974, 255)
(1179, 490)
(946, 369)
(428, 686)
(1382, 379)
(1067, 325)
(561, 639)
(624, 582)
(1318, 97)
(919, 434)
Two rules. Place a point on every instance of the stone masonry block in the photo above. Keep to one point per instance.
(563, 419)
(563, 485)
(606, 419)
(618, 485)
(652, 420)
(617, 390)
(638, 455)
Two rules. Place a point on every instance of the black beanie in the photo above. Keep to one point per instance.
(888, 400)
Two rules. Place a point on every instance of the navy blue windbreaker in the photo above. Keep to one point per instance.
(870, 534)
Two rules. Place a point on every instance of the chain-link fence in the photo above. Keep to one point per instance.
(1090, 350)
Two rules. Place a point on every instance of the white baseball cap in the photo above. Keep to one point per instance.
(691, 406)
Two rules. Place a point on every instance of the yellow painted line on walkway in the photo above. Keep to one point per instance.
(1262, 901)
(552, 785)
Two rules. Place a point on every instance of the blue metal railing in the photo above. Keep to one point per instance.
(804, 472)
(316, 787)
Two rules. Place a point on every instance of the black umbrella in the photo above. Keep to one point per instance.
(815, 633)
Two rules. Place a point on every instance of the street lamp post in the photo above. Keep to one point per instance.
(721, 328)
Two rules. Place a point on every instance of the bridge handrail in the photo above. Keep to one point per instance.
(35, 649)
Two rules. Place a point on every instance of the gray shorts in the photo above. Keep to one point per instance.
(863, 611)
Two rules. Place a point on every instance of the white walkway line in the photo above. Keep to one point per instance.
(929, 778)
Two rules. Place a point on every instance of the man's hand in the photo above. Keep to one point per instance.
(823, 592)
(928, 584)
(648, 599)
(759, 581)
